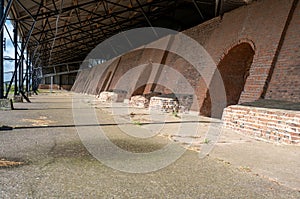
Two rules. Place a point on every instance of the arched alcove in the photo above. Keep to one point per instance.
(139, 91)
(234, 69)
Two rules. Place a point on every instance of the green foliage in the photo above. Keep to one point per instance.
(175, 114)
(206, 141)
(138, 123)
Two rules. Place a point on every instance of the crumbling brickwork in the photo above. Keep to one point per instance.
(270, 124)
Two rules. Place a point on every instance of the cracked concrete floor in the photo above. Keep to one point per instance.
(59, 166)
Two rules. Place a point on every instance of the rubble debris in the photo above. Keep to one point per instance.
(139, 101)
(185, 102)
(107, 96)
(165, 104)
(112, 96)
(142, 101)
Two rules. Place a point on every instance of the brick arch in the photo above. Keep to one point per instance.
(142, 89)
(236, 43)
(234, 69)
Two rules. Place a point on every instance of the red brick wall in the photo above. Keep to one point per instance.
(108, 72)
(269, 124)
(285, 82)
(127, 62)
(260, 25)
(80, 81)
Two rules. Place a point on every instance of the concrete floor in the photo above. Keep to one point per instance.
(58, 165)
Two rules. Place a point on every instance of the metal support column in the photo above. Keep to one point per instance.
(30, 75)
(21, 68)
(1, 53)
(16, 56)
(27, 72)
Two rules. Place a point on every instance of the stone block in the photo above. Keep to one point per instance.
(18, 98)
(6, 104)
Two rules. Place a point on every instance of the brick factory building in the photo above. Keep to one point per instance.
(256, 50)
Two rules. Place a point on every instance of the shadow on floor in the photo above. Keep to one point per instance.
(93, 125)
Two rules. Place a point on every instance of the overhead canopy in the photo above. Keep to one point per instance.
(61, 31)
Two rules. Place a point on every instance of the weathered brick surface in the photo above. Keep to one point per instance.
(270, 124)
(244, 45)
(285, 82)
(258, 26)
(80, 81)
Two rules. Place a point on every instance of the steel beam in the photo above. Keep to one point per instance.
(198, 9)
(16, 56)
(93, 24)
(21, 68)
(217, 8)
(4, 16)
(27, 72)
(1, 54)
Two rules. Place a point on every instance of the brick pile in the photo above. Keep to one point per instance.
(112, 96)
(139, 101)
(185, 102)
(165, 104)
(142, 101)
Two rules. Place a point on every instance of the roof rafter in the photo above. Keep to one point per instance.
(69, 29)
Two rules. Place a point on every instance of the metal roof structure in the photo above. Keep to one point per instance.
(63, 31)
(59, 34)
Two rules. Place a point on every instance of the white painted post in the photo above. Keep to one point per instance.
(51, 86)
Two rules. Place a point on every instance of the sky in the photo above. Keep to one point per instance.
(9, 51)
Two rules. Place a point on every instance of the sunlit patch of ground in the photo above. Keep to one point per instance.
(42, 121)
(6, 163)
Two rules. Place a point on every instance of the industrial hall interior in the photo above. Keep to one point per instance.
(150, 99)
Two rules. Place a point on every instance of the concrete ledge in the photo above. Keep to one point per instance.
(276, 125)
(6, 104)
